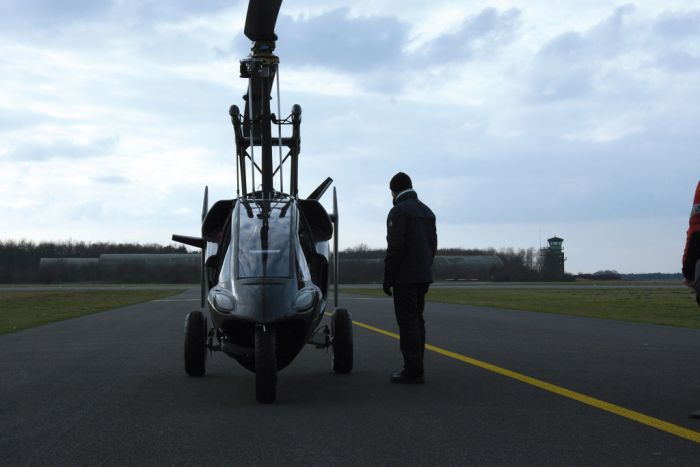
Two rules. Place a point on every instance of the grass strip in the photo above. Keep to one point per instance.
(22, 310)
(673, 307)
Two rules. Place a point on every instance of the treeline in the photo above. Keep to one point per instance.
(612, 275)
(19, 263)
(653, 276)
(525, 255)
(605, 275)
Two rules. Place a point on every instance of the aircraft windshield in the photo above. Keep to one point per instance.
(264, 234)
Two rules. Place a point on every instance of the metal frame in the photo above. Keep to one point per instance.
(253, 127)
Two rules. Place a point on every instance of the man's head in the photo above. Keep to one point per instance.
(399, 182)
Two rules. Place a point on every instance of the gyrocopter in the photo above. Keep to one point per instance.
(265, 254)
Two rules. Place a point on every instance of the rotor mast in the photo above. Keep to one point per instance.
(260, 68)
(253, 126)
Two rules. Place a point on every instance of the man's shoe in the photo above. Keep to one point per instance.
(403, 378)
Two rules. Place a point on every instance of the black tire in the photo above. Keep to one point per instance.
(341, 335)
(195, 343)
(265, 365)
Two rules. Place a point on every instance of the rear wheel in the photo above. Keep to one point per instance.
(341, 330)
(265, 364)
(195, 343)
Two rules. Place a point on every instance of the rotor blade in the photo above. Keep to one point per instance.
(260, 20)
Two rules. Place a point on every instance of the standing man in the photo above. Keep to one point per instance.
(691, 255)
(411, 245)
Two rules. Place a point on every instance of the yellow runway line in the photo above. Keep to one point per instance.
(591, 401)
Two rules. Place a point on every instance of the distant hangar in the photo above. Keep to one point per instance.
(482, 267)
(116, 259)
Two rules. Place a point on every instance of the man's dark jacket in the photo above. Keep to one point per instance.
(411, 242)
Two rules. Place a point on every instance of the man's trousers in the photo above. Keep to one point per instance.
(409, 302)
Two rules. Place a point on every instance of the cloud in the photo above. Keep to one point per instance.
(623, 52)
(577, 183)
(480, 34)
(48, 16)
(567, 66)
(677, 25)
(338, 41)
(90, 211)
(18, 15)
(367, 48)
(39, 151)
(677, 36)
(14, 119)
(678, 61)
(111, 179)
(375, 49)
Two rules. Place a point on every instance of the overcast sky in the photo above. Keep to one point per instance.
(517, 121)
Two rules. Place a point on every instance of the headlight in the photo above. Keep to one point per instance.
(305, 300)
(223, 301)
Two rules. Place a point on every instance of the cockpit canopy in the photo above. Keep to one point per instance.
(264, 246)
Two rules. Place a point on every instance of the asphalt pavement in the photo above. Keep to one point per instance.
(110, 389)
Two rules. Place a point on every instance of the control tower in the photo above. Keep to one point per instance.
(552, 260)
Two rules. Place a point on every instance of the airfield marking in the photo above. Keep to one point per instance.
(592, 401)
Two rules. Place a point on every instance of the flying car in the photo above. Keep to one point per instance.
(266, 254)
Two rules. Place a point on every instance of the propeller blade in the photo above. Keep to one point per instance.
(321, 189)
(191, 241)
(335, 248)
(205, 204)
(203, 267)
(261, 19)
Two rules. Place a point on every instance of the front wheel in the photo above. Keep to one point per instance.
(195, 343)
(341, 330)
(265, 364)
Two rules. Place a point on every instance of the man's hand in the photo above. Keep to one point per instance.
(387, 289)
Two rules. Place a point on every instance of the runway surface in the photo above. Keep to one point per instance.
(110, 389)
